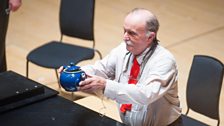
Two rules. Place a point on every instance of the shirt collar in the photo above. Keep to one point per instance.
(141, 56)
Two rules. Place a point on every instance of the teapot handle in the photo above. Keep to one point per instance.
(83, 76)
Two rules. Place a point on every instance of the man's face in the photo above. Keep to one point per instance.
(135, 35)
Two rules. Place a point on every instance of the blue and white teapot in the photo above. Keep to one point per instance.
(71, 76)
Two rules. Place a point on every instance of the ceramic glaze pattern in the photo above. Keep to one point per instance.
(71, 76)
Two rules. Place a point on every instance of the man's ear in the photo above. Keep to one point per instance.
(151, 35)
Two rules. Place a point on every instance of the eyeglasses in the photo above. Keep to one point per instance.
(102, 110)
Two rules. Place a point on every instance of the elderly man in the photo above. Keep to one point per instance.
(139, 74)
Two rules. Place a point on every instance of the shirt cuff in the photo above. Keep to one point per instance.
(111, 89)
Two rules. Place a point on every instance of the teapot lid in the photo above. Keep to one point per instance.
(71, 68)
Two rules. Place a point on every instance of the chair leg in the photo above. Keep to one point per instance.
(187, 111)
(59, 86)
(27, 68)
(73, 96)
(98, 53)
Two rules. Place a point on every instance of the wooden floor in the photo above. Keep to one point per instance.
(188, 27)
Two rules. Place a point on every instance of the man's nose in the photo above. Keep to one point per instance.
(126, 36)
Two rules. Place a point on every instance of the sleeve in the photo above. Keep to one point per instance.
(159, 79)
(105, 67)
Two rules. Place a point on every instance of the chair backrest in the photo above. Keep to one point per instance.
(77, 18)
(204, 86)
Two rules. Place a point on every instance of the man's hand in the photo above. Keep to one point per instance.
(92, 84)
(14, 4)
(60, 69)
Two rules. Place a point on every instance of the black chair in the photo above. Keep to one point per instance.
(203, 89)
(76, 20)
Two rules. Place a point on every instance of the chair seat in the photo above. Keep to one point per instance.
(188, 121)
(55, 54)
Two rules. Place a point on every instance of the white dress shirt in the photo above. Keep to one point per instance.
(154, 98)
